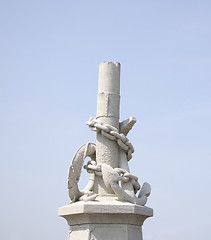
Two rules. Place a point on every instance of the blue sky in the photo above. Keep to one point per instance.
(50, 52)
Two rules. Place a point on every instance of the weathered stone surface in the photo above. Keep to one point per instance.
(105, 218)
(108, 207)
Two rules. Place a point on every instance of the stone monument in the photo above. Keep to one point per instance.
(107, 208)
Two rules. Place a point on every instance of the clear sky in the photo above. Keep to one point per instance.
(49, 56)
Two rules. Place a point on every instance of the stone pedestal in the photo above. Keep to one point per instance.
(105, 219)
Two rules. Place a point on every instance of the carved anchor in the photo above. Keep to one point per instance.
(86, 150)
(111, 168)
(111, 179)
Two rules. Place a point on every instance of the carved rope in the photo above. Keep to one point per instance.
(112, 133)
(124, 176)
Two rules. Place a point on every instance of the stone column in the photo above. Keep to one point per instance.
(108, 99)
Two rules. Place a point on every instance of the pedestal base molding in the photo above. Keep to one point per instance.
(107, 220)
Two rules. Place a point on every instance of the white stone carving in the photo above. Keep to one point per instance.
(94, 219)
(112, 134)
(111, 179)
(112, 142)
(109, 200)
(87, 150)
